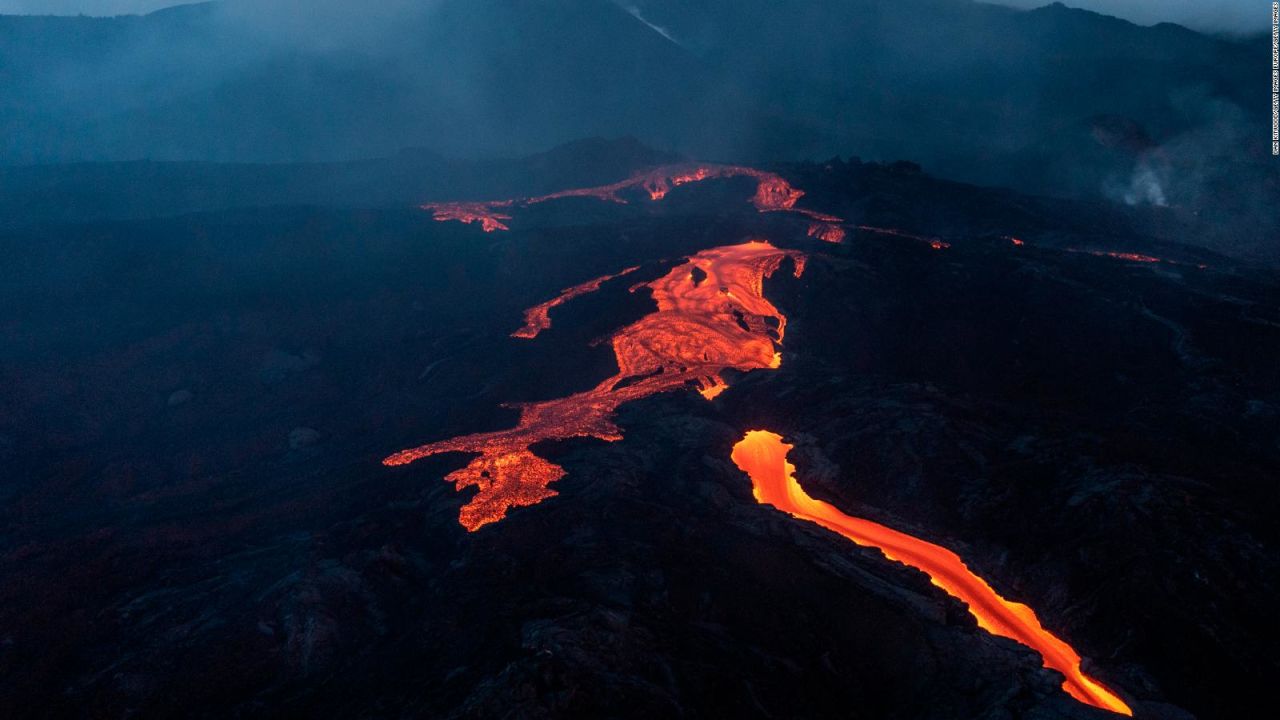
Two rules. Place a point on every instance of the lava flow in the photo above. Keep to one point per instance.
(763, 456)
(538, 317)
(1129, 256)
(711, 316)
(827, 232)
(773, 194)
(485, 213)
(1135, 257)
(932, 242)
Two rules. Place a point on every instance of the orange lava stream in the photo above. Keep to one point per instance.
(538, 317)
(773, 194)
(711, 316)
(932, 242)
(1135, 257)
(763, 456)
(1131, 257)
(827, 232)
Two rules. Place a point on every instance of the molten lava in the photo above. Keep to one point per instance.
(827, 232)
(1135, 257)
(763, 456)
(932, 242)
(538, 317)
(773, 194)
(484, 213)
(711, 316)
(1130, 257)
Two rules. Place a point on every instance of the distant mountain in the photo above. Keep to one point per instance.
(988, 94)
(953, 82)
(203, 82)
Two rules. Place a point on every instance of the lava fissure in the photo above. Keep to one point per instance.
(932, 242)
(773, 194)
(1135, 257)
(763, 457)
(693, 336)
(1130, 256)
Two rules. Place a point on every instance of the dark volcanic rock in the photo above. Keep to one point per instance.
(1094, 435)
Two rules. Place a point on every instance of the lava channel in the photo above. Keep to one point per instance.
(773, 194)
(711, 316)
(538, 317)
(763, 456)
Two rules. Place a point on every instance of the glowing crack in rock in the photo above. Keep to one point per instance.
(1136, 257)
(827, 232)
(538, 317)
(763, 456)
(773, 194)
(1128, 256)
(711, 316)
(932, 242)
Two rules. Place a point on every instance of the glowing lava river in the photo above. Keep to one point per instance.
(763, 456)
(710, 316)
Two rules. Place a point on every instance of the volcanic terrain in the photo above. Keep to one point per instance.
(640, 437)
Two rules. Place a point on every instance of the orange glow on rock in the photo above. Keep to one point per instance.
(763, 456)
(1135, 257)
(538, 317)
(716, 386)
(1130, 257)
(484, 213)
(706, 322)
(932, 242)
(773, 194)
(827, 232)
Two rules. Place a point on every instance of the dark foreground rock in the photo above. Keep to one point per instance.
(1094, 435)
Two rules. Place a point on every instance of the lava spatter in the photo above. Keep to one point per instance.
(773, 194)
(711, 316)
(763, 456)
(538, 317)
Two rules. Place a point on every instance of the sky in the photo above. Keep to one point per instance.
(1212, 15)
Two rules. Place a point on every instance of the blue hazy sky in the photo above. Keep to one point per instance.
(1234, 15)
